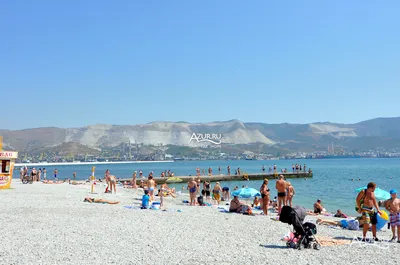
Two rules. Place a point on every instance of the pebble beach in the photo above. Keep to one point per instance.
(50, 224)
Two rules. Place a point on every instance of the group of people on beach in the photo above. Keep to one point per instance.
(369, 208)
(366, 202)
(37, 175)
(295, 169)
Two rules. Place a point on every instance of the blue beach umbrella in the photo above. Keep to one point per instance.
(246, 193)
(380, 194)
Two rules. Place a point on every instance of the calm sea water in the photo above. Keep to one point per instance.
(331, 182)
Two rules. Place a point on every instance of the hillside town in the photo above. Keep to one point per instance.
(179, 154)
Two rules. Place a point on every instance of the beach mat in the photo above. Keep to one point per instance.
(329, 241)
(138, 207)
(132, 207)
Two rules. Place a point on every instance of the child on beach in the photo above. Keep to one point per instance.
(393, 206)
(145, 200)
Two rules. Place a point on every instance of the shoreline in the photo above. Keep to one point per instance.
(89, 163)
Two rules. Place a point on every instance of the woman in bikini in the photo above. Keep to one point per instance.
(265, 192)
(217, 192)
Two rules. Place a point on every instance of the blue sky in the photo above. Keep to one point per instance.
(75, 63)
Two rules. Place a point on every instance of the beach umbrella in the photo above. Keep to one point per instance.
(246, 193)
(380, 194)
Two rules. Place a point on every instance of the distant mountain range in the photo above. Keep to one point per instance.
(380, 132)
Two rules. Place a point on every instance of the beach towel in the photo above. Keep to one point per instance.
(132, 207)
(329, 241)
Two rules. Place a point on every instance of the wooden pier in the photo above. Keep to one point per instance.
(215, 178)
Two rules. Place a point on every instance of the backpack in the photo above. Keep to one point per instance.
(361, 200)
(200, 200)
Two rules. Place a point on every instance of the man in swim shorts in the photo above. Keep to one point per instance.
(366, 202)
(192, 186)
(281, 187)
(225, 194)
(393, 206)
(318, 207)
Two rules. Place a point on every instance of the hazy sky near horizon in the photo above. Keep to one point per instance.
(75, 63)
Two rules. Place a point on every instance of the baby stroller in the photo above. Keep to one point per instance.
(303, 233)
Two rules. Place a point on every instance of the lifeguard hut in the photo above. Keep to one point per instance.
(7, 160)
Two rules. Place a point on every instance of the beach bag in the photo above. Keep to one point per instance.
(200, 200)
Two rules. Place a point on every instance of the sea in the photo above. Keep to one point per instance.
(334, 180)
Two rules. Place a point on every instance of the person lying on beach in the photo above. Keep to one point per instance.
(166, 191)
(340, 214)
(77, 183)
(53, 182)
(127, 185)
(352, 224)
(237, 207)
(94, 200)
